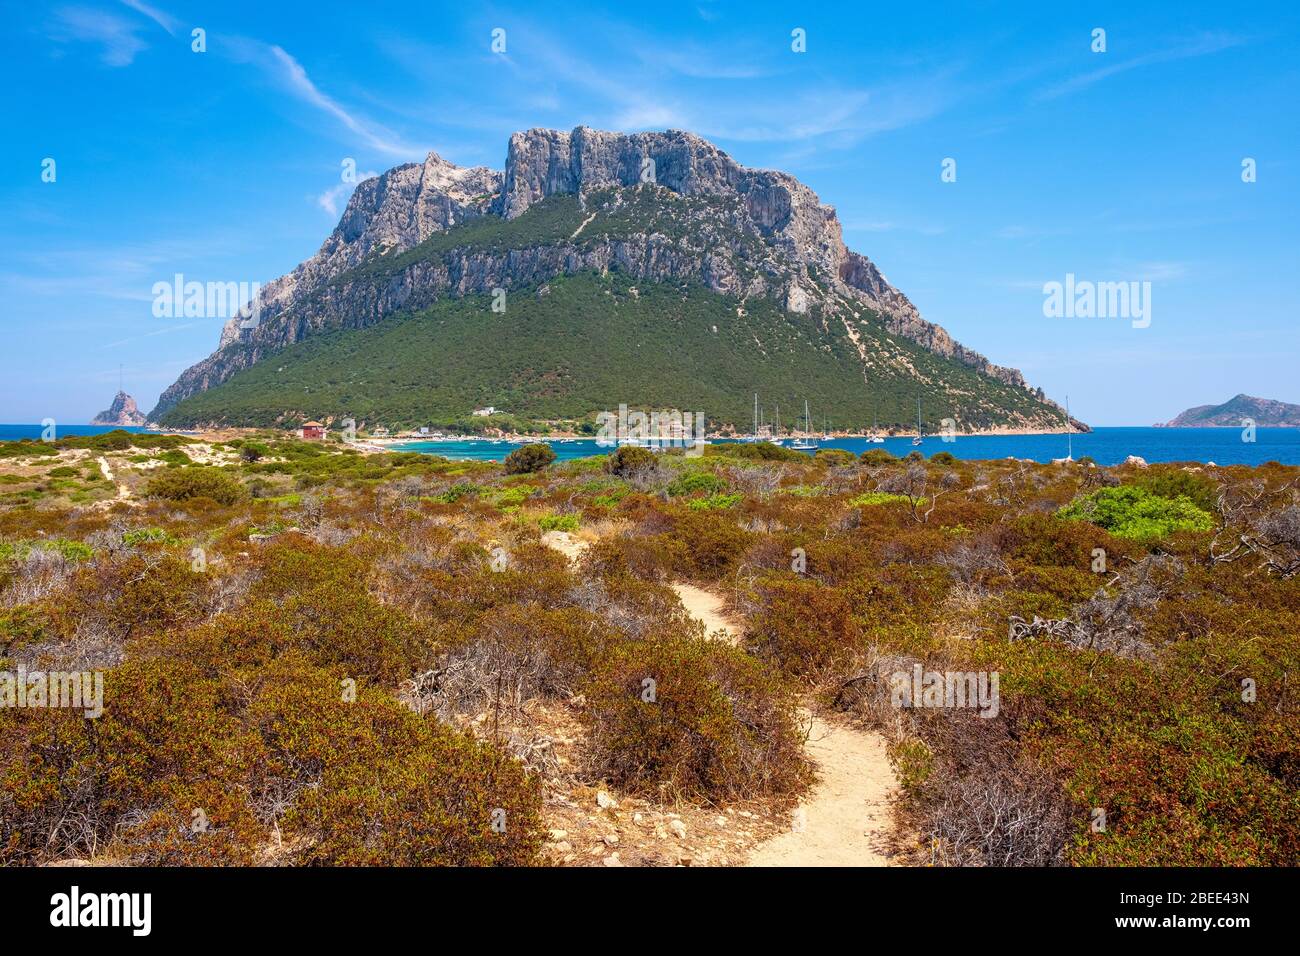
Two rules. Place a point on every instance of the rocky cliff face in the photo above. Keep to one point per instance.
(740, 231)
(123, 411)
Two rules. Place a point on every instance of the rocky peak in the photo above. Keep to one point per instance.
(803, 261)
(390, 212)
(123, 411)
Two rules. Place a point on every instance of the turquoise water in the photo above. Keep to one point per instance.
(1108, 446)
(15, 432)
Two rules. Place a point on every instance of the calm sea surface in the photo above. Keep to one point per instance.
(15, 432)
(1108, 446)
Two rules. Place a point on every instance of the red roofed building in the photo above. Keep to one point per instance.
(312, 431)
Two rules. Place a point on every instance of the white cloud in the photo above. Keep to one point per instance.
(291, 73)
(1160, 271)
(650, 116)
(164, 20)
(329, 199)
(115, 34)
(1202, 45)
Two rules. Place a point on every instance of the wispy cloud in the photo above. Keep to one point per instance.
(117, 35)
(695, 88)
(329, 200)
(1201, 45)
(296, 81)
(164, 20)
(1159, 271)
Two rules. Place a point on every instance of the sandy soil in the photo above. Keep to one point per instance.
(846, 820)
(123, 491)
(565, 543)
(708, 607)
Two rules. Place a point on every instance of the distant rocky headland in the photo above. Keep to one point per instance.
(122, 412)
(1264, 412)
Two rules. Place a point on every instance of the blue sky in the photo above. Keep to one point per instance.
(1123, 165)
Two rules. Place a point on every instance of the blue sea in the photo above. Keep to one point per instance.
(1108, 446)
(15, 432)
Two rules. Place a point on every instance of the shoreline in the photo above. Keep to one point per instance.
(719, 436)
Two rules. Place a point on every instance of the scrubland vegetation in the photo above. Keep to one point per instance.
(315, 656)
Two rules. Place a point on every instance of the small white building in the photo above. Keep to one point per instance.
(484, 412)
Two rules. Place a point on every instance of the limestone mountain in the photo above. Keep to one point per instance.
(597, 268)
(123, 411)
(1264, 412)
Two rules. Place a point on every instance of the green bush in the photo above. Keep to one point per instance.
(529, 458)
(1133, 512)
(1173, 484)
(456, 492)
(253, 451)
(834, 457)
(755, 451)
(695, 481)
(716, 502)
(876, 456)
(628, 460)
(65, 548)
(558, 523)
(182, 484)
(878, 498)
(138, 536)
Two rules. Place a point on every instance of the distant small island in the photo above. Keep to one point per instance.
(1264, 412)
(123, 411)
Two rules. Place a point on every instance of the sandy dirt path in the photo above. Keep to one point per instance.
(123, 492)
(567, 544)
(710, 608)
(846, 820)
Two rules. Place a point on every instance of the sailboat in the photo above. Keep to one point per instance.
(807, 443)
(1069, 438)
(917, 439)
(826, 430)
(752, 436)
(875, 438)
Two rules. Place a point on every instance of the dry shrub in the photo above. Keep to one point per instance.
(311, 601)
(706, 545)
(378, 785)
(974, 798)
(516, 654)
(109, 602)
(1011, 817)
(274, 760)
(719, 726)
(647, 558)
(802, 627)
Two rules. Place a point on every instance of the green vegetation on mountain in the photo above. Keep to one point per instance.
(582, 344)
